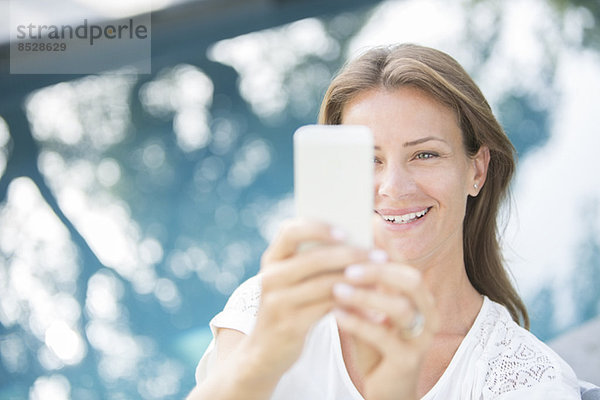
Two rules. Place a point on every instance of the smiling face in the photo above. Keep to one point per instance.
(422, 174)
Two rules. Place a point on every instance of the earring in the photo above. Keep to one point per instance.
(475, 186)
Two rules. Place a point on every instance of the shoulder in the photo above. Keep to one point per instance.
(516, 360)
(238, 315)
(246, 298)
(241, 309)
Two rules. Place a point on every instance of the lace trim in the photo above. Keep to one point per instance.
(515, 358)
(246, 298)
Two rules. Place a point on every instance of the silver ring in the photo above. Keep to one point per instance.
(416, 326)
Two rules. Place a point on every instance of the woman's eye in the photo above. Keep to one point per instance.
(425, 156)
(376, 160)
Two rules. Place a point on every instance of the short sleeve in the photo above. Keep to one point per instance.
(558, 390)
(239, 314)
(530, 370)
(520, 366)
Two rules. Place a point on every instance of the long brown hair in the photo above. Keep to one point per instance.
(442, 77)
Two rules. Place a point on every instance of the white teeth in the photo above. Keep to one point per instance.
(406, 218)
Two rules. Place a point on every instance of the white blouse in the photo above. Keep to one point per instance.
(497, 359)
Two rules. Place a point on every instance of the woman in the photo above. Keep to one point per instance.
(431, 313)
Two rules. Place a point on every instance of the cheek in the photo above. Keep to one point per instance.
(455, 204)
(447, 187)
(438, 180)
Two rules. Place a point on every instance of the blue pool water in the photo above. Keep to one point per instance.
(132, 206)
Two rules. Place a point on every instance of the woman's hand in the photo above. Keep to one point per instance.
(299, 270)
(388, 307)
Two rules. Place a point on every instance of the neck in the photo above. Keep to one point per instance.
(457, 301)
(445, 275)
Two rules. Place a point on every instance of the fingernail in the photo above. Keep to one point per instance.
(412, 276)
(376, 316)
(338, 234)
(378, 256)
(342, 290)
(340, 314)
(354, 271)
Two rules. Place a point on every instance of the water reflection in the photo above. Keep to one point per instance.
(101, 217)
(88, 177)
(39, 271)
(104, 292)
(13, 353)
(55, 387)
(91, 111)
(108, 172)
(176, 187)
(184, 93)
(250, 160)
(557, 193)
(4, 145)
(265, 61)
(63, 340)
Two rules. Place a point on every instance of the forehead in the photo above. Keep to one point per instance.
(408, 112)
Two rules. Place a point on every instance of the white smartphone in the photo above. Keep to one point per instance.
(333, 178)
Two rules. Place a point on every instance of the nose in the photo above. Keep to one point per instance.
(394, 181)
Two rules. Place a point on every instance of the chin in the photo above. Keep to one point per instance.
(402, 251)
(411, 259)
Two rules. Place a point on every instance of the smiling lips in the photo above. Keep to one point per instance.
(404, 218)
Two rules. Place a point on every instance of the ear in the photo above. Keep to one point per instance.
(480, 163)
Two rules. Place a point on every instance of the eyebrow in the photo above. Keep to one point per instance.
(419, 141)
(423, 140)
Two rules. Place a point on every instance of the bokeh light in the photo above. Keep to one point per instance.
(4, 145)
(157, 194)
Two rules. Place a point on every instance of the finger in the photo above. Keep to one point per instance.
(315, 290)
(294, 232)
(292, 313)
(394, 277)
(394, 309)
(408, 281)
(319, 260)
(375, 334)
(310, 314)
(397, 279)
(301, 321)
